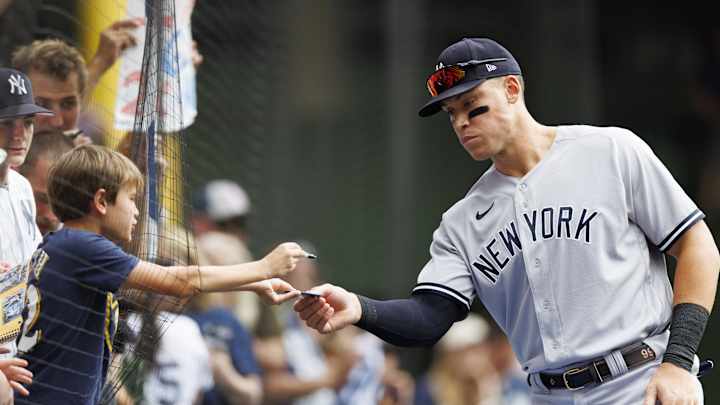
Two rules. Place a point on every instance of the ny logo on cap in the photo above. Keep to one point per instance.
(490, 67)
(17, 83)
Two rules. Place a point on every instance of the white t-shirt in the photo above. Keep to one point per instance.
(19, 237)
(182, 362)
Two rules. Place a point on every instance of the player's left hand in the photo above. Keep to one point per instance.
(275, 291)
(16, 373)
(672, 385)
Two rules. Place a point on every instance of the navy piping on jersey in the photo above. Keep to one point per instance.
(444, 290)
(679, 230)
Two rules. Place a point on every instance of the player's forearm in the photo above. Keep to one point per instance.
(696, 281)
(420, 320)
(696, 273)
(696, 277)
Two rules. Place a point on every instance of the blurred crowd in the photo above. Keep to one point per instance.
(229, 348)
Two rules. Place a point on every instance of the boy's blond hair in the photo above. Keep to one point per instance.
(52, 57)
(79, 174)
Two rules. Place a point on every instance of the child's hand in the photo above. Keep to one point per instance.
(283, 259)
(275, 291)
(5, 267)
(16, 373)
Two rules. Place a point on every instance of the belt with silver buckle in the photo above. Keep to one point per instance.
(596, 371)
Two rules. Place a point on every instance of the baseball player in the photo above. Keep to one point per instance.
(563, 240)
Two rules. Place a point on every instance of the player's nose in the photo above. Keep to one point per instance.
(461, 121)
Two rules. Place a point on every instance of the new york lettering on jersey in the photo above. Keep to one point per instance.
(563, 222)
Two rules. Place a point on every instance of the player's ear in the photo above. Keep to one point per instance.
(99, 201)
(513, 88)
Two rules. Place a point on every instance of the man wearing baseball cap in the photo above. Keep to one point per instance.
(19, 235)
(563, 240)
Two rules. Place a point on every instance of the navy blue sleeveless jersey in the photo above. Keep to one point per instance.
(71, 316)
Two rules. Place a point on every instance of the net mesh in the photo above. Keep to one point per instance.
(156, 145)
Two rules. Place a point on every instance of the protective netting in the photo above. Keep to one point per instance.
(156, 144)
(77, 309)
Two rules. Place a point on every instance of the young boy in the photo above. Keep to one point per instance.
(70, 321)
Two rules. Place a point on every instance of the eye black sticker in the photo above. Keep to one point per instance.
(480, 110)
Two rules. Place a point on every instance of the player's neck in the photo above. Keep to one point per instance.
(525, 149)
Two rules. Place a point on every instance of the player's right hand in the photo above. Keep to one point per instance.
(283, 259)
(334, 310)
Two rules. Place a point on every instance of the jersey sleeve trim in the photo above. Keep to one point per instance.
(444, 290)
(680, 229)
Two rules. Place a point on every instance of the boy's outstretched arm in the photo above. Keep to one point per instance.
(185, 281)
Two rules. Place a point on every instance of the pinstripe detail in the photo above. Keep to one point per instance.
(444, 290)
(683, 226)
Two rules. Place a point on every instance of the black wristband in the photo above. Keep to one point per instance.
(686, 330)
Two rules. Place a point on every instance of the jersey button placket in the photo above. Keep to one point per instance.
(521, 197)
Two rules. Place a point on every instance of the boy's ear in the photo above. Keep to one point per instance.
(99, 202)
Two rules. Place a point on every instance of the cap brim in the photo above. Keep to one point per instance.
(433, 106)
(21, 110)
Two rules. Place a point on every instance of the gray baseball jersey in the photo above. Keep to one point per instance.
(569, 258)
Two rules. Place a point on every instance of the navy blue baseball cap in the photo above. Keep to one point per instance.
(16, 96)
(464, 65)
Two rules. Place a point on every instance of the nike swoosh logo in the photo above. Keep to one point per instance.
(480, 216)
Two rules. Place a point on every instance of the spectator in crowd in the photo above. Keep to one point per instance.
(515, 389)
(60, 77)
(234, 367)
(62, 80)
(220, 208)
(175, 359)
(301, 367)
(19, 236)
(461, 372)
(398, 384)
(46, 148)
(222, 205)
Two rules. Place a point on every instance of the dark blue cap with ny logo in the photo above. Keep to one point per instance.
(479, 59)
(16, 96)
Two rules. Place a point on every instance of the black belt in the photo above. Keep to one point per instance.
(597, 371)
